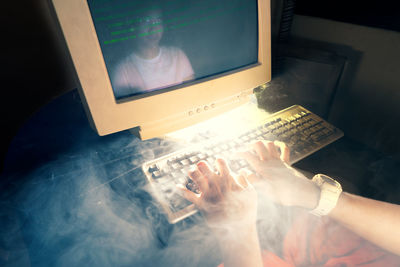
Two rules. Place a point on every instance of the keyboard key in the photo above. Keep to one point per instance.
(153, 168)
(320, 137)
(176, 174)
(176, 166)
(192, 186)
(265, 130)
(184, 171)
(185, 162)
(258, 132)
(268, 137)
(156, 174)
(307, 132)
(166, 169)
(194, 159)
(201, 156)
(181, 180)
(252, 135)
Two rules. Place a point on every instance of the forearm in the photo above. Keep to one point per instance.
(373, 220)
(241, 249)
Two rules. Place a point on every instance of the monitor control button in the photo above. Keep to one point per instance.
(198, 110)
(206, 107)
(191, 113)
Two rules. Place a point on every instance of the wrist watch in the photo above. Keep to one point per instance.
(330, 192)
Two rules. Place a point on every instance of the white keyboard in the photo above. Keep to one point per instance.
(303, 131)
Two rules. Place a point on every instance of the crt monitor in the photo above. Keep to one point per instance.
(159, 66)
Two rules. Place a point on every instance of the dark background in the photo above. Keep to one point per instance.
(34, 69)
(382, 14)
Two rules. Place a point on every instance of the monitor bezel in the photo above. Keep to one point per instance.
(157, 112)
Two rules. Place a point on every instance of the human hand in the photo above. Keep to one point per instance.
(227, 202)
(282, 183)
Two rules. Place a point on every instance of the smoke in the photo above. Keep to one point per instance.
(95, 209)
(70, 224)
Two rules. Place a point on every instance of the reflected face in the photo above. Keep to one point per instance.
(150, 28)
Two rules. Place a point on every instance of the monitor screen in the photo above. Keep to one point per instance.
(151, 46)
(156, 66)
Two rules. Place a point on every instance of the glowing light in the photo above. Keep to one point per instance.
(226, 126)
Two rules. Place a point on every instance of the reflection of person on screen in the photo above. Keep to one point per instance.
(151, 66)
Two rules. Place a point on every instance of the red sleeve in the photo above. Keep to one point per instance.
(314, 241)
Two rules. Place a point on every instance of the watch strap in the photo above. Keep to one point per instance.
(330, 192)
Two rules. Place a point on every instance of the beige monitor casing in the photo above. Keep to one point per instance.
(155, 114)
